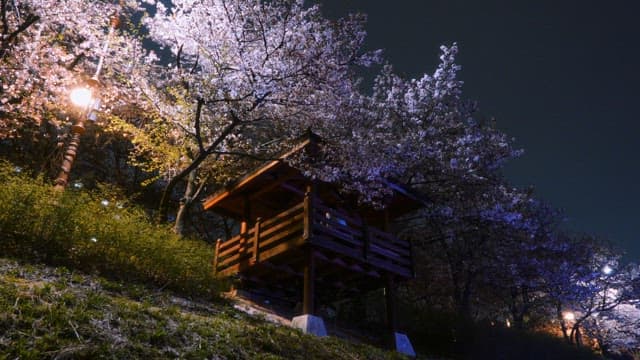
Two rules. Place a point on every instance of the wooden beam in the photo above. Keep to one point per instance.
(216, 198)
(309, 283)
(292, 189)
(286, 269)
(275, 183)
(390, 297)
(256, 242)
(308, 214)
(215, 259)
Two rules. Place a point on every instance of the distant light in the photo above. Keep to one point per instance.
(93, 239)
(508, 323)
(607, 270)
(81, 96)
(105, 202)
(569, 316)
(78, 185)
(18, 169)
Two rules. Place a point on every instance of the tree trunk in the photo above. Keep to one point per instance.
(563, 325)
(163, 208)
(185, 204)
(203, 153)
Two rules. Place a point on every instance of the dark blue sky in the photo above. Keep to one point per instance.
(562, 77)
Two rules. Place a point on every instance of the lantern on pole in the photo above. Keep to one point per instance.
(85, 97)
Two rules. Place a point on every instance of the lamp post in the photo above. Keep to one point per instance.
(85, 97)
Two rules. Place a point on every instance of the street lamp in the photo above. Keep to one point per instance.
(81, 97)
(86, 99)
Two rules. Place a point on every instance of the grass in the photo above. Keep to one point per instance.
(56, 313)
(98, 232)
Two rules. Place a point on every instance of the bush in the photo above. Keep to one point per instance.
(98, 232)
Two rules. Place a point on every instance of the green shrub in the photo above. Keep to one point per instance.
(98, 232)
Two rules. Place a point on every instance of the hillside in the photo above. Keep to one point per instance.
(56, 313)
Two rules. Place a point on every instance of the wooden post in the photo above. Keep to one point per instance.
(244, 225)
(308, 306)
(256, 242)
(390, 294)
(215, 258)
(308, 214)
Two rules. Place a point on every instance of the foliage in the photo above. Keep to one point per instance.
(57, 313)
(99, 232)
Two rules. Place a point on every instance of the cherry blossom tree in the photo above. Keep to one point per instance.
(617, 331)
(250, 76)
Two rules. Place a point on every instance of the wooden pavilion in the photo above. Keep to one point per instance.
(303, 241)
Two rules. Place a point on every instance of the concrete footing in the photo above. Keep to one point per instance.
(403, 345)
(309, 324)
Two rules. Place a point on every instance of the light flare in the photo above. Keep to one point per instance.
(81, 97)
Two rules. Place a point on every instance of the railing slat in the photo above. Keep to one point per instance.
(342, 236)
(268, 231)
(256, 242)
(385, 253)
(217, 256)
(329, 243)
(282, 215)
(334, 223)
(295, 228)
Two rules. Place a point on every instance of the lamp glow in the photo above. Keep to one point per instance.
(569, 316)
(81, 97)
(607, 270)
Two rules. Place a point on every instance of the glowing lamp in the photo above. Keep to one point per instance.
(81, 97)
(569, 316)
(607, 270)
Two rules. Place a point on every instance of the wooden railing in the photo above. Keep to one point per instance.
(321, 226)
(337, 231)
(263, 241)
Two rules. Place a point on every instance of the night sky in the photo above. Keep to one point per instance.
(561, 77)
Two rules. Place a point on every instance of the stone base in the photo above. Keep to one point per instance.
(309, 324)
(403, 345)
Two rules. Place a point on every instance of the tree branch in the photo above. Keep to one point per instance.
(197, 125)
(6, 40)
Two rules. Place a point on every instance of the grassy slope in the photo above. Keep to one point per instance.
(55, 313)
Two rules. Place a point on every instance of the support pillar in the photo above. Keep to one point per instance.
(390, 298)
(308, 304)
(396, 341)
(308, 322)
